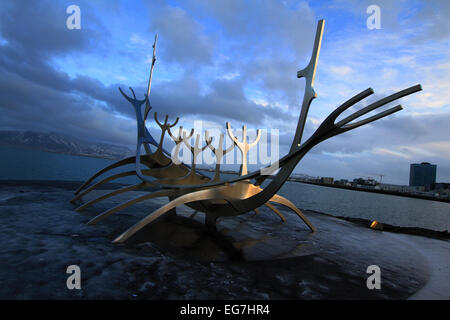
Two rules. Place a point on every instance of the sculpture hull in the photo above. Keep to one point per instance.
(219, 205)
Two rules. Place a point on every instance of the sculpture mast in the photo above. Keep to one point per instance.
(147, 106)
(147, 103)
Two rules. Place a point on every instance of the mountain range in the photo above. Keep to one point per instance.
(55, 142)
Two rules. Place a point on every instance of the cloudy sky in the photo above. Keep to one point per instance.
(234, 61)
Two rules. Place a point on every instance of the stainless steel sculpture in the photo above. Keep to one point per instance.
(182, 184)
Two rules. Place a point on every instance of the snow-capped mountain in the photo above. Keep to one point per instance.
(55, 142)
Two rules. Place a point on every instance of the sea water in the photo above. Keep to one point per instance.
(26, 164)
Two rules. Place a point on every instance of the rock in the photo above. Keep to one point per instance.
(146, 286)
(263, 295)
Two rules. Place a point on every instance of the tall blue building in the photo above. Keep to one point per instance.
(422, 174)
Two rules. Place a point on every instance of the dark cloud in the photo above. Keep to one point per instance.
(269, 45)
(184, 40)
(429, 19)
(39, 29)
(434, 18)
(32, 89)
(261, 27)
(36, 96)
(26, 105)
(226, 100)
(264, 42)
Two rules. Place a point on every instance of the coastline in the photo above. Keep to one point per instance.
(66, 153)
(428, 233)
(389, 192)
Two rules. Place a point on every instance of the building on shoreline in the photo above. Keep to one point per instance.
(430, 191)
(440, 188)
(327, 180)
(422, 174)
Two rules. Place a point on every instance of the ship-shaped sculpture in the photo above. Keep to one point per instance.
(217, 197)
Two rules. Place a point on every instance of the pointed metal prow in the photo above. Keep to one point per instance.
(308, 73)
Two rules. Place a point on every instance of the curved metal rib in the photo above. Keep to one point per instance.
(130, 160)
(96, 185)
(373, 118)
(208, 194)
(103, 215)
(271, 207)
(380, 103)
(282, 200)
(111, 194)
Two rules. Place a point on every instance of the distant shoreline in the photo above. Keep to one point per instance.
(60, 152)
(389, 192)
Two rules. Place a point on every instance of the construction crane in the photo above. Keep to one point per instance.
(380, 175)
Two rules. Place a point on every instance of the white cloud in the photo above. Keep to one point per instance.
(136, 38)
(340, 70)
(230, 75)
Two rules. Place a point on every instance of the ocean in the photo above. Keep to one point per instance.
(26, 164)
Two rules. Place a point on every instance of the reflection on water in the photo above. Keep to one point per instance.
(23, 164)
